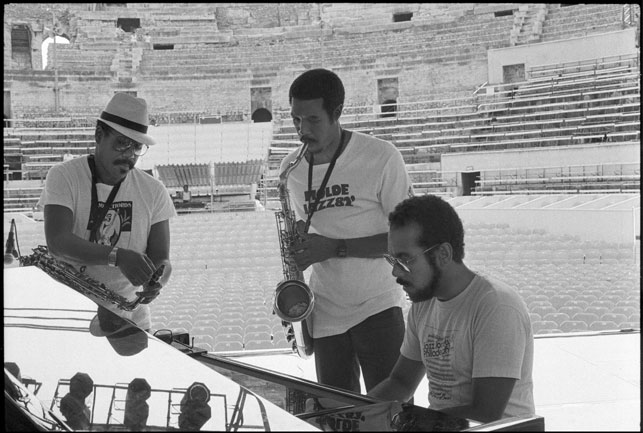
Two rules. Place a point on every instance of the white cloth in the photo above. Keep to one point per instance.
(368, 181)
(485, 331)
(141, 202)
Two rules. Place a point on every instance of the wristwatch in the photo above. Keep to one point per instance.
(111, 259)
(341, 249)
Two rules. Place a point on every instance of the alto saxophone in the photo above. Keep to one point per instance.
(294, 301)
(68, 275)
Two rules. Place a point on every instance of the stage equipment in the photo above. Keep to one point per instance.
(10, 248)
(137, 410)
(195, 411)
(294, 301)
(68, 275)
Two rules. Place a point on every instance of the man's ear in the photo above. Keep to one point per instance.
(338, 112)
(99, 133)
(445, 253)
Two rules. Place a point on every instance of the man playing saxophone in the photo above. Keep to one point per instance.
(342, 192)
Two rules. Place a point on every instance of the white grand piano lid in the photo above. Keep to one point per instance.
(46, 334)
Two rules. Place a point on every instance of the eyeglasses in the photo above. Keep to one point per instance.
(404, 264)
(123, 144)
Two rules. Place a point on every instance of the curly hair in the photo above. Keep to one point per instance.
(319, 83)
(437, 220)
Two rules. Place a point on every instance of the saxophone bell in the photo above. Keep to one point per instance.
(294, 301)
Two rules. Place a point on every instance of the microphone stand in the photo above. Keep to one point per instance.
(10, 252)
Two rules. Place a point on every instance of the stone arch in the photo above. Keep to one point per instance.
(261, 115)
(44, 47)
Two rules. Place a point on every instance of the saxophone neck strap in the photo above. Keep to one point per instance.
(96, 214)
(313, 207)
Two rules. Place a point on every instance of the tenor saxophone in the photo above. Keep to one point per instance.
(68, 275)
(294, 301)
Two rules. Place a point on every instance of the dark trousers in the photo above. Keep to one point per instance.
(373, 344)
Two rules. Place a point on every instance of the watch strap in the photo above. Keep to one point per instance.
(342, 249)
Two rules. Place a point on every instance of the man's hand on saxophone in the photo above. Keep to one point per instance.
(152, 288)
(312, 248)
(137, 267)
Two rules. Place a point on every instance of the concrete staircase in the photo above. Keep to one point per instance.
(126, 62)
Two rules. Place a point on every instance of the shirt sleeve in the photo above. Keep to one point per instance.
(164, 207)
(58, 189)
(411, 344)
(499, 343)
(396, 183)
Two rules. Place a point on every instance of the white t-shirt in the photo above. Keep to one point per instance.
(141, 202)
(485, 331)
(368, 181)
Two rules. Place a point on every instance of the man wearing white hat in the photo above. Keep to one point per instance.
(79, 193)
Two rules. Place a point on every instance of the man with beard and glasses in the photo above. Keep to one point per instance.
(109, 219)
(471, 335)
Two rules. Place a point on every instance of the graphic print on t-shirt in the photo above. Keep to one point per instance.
(337, 195)
(437, 353)
(118, 219)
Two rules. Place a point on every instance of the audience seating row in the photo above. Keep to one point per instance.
(222, 294)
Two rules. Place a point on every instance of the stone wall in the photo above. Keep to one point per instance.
(32, 93)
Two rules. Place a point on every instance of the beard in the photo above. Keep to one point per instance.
(427, 291)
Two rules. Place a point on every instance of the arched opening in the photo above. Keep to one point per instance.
(389, 108)
(45, 48)
(261, 115)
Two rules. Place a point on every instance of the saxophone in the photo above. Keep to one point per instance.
(294, 301)
(68, 275)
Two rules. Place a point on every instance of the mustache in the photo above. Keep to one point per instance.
(401, 282)
(129, 162)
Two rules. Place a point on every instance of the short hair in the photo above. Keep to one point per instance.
(319, 83)
(437, 219)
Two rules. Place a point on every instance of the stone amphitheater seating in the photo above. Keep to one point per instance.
(401, 44)
(563, 104)
(580, 20)
(74, 59)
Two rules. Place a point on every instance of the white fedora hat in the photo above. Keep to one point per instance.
(128, 115)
